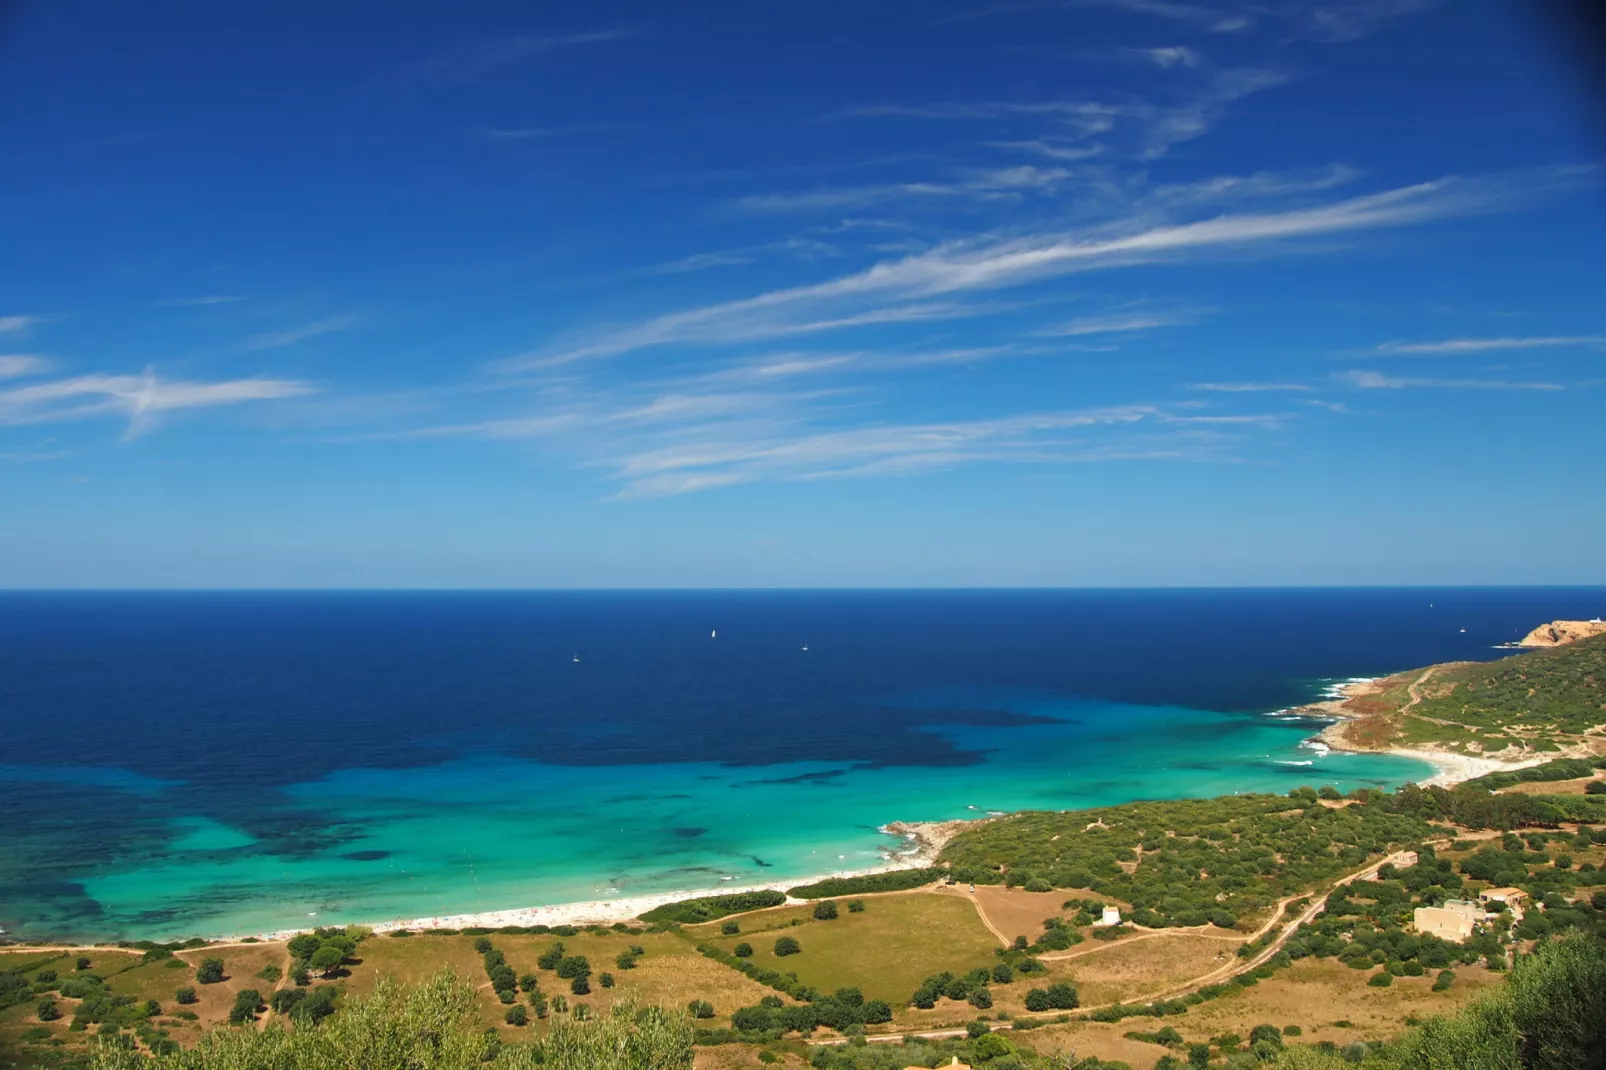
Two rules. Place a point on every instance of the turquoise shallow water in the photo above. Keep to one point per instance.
(490, 832)
(181, 764)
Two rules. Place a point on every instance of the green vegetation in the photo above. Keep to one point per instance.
(1563, 687)
(896, 880)
(713, 907)
(1195, 860)
(1564, 769)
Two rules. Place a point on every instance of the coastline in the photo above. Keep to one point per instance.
(1452, 767)
(923, 841)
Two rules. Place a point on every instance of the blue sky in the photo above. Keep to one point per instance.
(960, 292)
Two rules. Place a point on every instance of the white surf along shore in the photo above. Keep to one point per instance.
(1451, 767)
(922, 841)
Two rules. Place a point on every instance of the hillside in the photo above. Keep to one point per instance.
(1546, 701)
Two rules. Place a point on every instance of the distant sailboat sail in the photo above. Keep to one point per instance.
(714, 634)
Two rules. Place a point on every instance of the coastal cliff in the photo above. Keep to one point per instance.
(1558, 632)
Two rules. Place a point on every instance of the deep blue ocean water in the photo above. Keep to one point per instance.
(180, 763)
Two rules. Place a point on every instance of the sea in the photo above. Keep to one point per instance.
(177, 764)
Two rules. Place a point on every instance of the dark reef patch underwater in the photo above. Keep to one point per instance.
(180, 763)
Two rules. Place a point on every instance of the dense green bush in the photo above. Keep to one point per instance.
(713, 907)
(896, 880)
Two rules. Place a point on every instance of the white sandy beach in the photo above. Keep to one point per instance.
(923, 841)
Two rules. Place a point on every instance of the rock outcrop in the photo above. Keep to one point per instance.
(1558, 632)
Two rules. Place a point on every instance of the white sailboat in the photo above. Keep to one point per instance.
(714, 634)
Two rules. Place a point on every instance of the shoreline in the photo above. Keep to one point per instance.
(922, 842)
(1451, 767)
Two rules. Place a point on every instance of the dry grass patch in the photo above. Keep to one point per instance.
(1549, 787)
(1012, 912)
(1141, 966)
(1315, 994)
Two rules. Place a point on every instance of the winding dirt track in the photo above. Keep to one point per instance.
(1232, 969)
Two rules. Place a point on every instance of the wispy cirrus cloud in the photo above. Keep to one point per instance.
(295, 335)
(201, 302)
(140, 398)
(1115, 323)
(1373, 380)
(18, 365)
(925, 285)
(991, 184)
(1453, 346)
(10, 324)
(1250, 387)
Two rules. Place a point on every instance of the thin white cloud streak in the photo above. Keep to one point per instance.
(1371, 380)
(682, 468)
(141, 398)
(202, 302)
(16, 323)
(1453, 346)
(296, 335)
(19, 365)
(1249, 388)
(1003, 182)
(963, 267)
(1115, 323)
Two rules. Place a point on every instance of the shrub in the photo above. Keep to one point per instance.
(1445, 979)
(730, 928)
(713, 907)
(605, 979)
(1037, 1000)
(47, 1011)
(977, 1028)
(246, 1005)
(825, 910)
(210, 971)
(743, 950)
(516, 1015)
(1002, 974)
(186, 995)
(786, 945)
(580, 986)
(855, 906)
(700, 1008)
(1382, 979)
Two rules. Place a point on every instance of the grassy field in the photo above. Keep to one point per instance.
(898, 941)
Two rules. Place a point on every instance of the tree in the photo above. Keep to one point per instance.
(572, 966)
(581, 985)
(855, 906)
(186, 995)
(980, 998)
(743, 950)
(210, 971)
(1037, 1000)
(825, 910)
(991, 1046)
(605, 979)
(1595, 787)
(516, 1015)
(246, 1005)
(1062, 996)
(977, 1028)
(285, 1000)
(302, 945)
(551, 957)
(47, 1010)
(786, 945)
(83, 962)
(482, 945)
(327, 959)
(1199, 1054)
(1002, 974)
(730, 928)
(1269, 1033)
(876, 1012)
